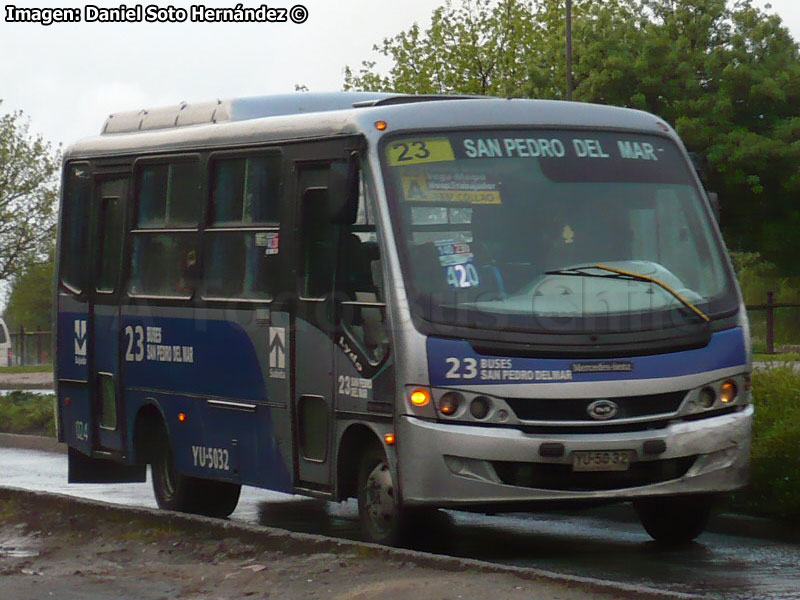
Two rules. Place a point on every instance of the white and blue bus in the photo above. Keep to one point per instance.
(420, 302)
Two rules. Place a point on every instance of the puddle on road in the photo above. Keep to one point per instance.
(17, 551)
(16, 546)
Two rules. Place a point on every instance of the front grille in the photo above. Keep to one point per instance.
(613, 427)
(548, 476)
(574, 409)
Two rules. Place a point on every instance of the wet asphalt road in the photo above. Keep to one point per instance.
(584, 544)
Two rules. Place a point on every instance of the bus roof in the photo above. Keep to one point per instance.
(286, 117)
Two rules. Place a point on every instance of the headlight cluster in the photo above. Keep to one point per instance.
(716, 395)
(456, 405)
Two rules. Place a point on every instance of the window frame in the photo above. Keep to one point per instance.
(87, 217)
(143, 162)
(210, 229)
(139, 164)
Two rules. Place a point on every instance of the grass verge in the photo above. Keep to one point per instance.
(783, 357)
(28, 413)
(775, 472)
(27, 369)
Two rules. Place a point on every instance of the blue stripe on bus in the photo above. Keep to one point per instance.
(182, 361)
(454, 362)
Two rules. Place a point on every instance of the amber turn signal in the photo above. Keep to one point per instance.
(727, 392)
(420, 397)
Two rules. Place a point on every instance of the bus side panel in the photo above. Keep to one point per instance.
(211, 371)
(72, 378)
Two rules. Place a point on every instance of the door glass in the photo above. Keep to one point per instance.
(108, 260)
(313, 413)
(318, 236)
(74, 220)
(108, 401)
(359, 282)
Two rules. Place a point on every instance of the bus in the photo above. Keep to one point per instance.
(421, 302)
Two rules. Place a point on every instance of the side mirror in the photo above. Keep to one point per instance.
(713, 200)
(343, 190)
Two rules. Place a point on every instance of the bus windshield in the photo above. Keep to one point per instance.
(510, 225)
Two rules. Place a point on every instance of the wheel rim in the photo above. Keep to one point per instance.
(380, 502)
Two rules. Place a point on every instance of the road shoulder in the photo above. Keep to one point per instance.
(83, 549)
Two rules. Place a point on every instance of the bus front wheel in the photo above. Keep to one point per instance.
(379, 507)
(675, 520)
(174, 491)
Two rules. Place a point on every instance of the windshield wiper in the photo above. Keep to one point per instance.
(614, 273)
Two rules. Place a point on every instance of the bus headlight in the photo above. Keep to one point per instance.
(479, 407)
(707, 397)
(449, 403)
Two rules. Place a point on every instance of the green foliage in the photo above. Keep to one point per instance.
(28, 413)
(727, 76)
(28, 170)
(30, 303)
(775, 470)
(478, 47)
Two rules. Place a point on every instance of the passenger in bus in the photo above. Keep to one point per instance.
(189, 273)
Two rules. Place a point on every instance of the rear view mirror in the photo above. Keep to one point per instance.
(316, 206)
(343, 190)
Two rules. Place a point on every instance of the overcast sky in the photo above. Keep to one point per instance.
(69, 77)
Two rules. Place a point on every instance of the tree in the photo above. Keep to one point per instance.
(726, 76)
(28, 192)
(478, 47)
(30, 303)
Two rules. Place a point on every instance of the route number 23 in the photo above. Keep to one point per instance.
(466, 369)
(410, 151)
(135, 338)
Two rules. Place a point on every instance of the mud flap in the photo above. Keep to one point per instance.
(85, 469)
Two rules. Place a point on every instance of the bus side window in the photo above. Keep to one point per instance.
(245, 192)
(165, 263)
(74, 222)
(361, 282)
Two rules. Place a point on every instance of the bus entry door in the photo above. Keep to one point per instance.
(104, 344)
(313, 325)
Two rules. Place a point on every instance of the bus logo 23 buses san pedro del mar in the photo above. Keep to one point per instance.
(420, 302)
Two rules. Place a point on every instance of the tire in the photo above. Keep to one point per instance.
(379, 509)
(181, 493)
(675, 520)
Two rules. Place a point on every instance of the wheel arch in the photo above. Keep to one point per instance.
(146, 425)
(354, 441)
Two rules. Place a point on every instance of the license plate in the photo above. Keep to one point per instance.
(602, 460)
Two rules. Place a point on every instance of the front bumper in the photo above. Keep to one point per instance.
(444, 464)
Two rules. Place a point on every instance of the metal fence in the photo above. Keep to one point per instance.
(31, 347)
(775, 326)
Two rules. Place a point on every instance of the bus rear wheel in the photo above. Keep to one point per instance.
(675, 520)
(181, 493)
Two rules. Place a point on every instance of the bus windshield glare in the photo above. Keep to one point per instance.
(525, 227)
